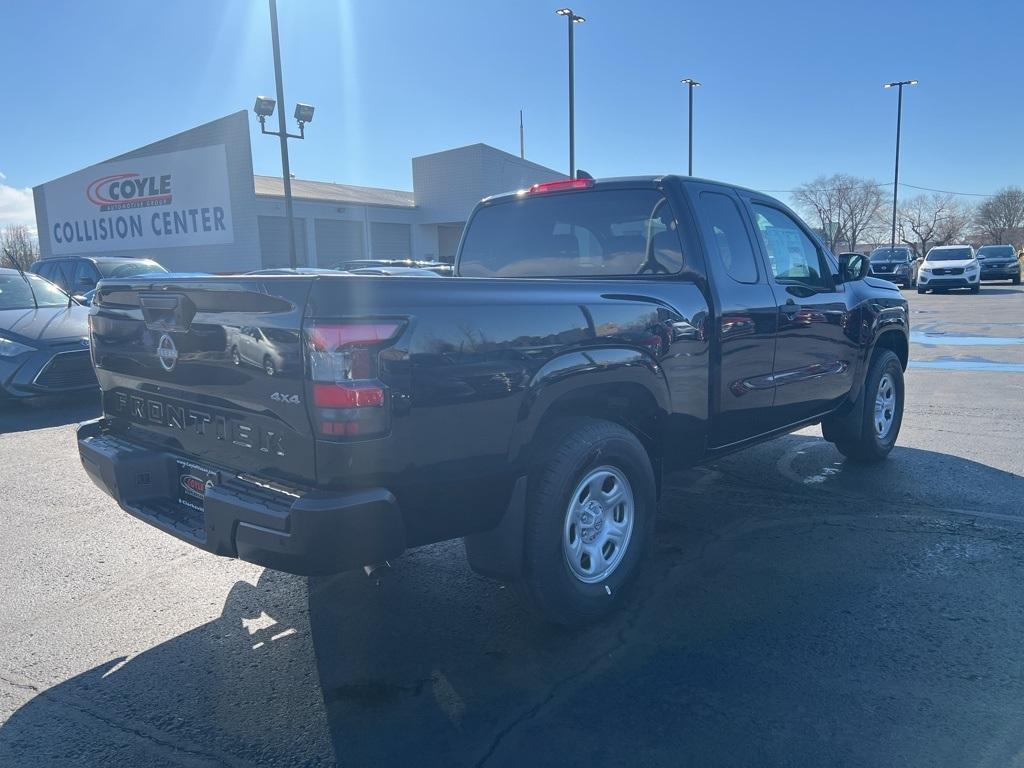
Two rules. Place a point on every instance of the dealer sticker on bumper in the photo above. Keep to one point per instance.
(193, 483)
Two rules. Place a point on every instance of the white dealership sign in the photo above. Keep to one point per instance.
(174, 199)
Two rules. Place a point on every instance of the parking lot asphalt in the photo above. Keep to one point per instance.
(797, 610)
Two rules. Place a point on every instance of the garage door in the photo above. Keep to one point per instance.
(338, 241)
(390, 241)
(274, 241)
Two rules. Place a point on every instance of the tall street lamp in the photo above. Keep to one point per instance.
(896, 181)
(690, 83)
(573, 19)
(264, 108)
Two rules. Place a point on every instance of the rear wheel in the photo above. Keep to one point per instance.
(590, 517)
(880, 415)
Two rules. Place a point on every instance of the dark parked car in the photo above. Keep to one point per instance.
(595, 336)
(78, 275)
(999, 262)
(894, 264)
(44, 338)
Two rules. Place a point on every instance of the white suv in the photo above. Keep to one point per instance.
(949, 266)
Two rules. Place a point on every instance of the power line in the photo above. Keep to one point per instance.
(946, 191)
(879, 185)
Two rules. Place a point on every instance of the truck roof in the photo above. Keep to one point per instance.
(636, 181)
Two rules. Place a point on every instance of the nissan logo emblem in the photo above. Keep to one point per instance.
(167, 353)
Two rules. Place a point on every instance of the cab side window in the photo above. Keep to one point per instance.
(727, 237)
(792, 256)
(85, 276)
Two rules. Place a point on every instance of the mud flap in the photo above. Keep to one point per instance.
(498, 553)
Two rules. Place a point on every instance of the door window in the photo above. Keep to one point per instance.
(727, 236)
(792, 256)
(85, 276)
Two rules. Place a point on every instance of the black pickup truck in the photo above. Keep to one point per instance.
(595, 336)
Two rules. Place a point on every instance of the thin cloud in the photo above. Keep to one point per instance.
(17, 207)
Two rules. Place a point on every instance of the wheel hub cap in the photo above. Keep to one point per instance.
(598, 524)
(885, 406)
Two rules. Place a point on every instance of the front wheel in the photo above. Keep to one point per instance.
(921, 289)
(976, 289)
(1016, 280)
(590, 516)
(881, 414)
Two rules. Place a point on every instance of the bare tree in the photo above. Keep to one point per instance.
(1001, 218)
(18, 246)
(821, 201)
(861, 208)
(929, 220)
(845, 207)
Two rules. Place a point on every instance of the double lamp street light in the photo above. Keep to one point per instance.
(264, 108)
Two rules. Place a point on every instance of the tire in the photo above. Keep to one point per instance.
(235, 357)
(920, 289)
(268, 366)
(566, 515)
(1016, 280)
(879, 425)
(976, 288)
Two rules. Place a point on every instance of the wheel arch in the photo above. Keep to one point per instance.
(620, 385)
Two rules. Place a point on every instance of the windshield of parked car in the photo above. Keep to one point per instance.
(128, 268)
(573, 234)
(950, 254)
(891, 254)
(29, 292)
(996, 251)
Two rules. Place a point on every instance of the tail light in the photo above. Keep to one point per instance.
(349, 399)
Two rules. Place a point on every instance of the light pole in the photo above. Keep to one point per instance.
(896, 181)
(572, 18)
(690, 83)
(264, 108)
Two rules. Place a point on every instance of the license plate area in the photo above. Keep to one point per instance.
(193, 482)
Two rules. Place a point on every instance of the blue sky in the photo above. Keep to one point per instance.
(791, 89)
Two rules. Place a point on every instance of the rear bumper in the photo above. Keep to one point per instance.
(892, 277)
(955, 281)
(1000, 273)
(307, 533)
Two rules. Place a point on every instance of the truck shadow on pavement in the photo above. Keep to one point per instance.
(42, 412)
(823, 613)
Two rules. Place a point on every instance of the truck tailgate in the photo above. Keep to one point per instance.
(209, 367)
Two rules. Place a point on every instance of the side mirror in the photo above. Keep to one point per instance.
(852, 267)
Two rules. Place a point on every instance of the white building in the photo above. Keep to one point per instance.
(192, 202)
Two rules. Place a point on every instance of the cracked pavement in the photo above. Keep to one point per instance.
(796, 610)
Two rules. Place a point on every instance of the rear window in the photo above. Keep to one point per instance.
(600, 233)
(128, 268)
(996, 251)
(949, 254)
